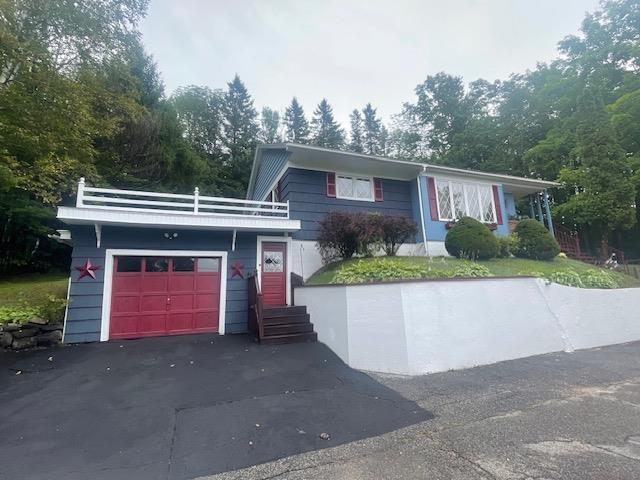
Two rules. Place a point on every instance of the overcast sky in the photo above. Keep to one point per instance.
(351, 51)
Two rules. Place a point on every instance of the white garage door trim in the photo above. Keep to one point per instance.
(108, 280)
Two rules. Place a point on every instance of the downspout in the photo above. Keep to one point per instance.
(424, 230)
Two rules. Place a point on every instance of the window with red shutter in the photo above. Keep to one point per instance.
(433, 202)
(496, 202)
(377, 187)
(331, 184)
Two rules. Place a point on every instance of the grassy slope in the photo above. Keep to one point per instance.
(497, 266)
(32, 288)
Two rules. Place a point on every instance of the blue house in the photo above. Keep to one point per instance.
(150, 264)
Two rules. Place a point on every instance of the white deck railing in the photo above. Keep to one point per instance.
(196, 204)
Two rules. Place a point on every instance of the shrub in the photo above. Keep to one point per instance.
(507, 245)
(342, 234)
(535, 241)
(18, 313)
(52, 310)
(394, 231)
(589, 279)
(379, 269)
(471, 239)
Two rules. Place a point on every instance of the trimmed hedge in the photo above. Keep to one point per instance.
(471, 239)
(535, 241)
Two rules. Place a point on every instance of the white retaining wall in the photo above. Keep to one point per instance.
(433, 326)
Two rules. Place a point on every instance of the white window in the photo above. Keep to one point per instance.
(354, 188)
(458, 199)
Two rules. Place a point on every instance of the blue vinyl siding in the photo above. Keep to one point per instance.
(510, 205)
(270, 164)
(85, 306)
(437, 231)
(308, 202)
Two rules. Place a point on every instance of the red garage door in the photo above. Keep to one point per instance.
(164, 296)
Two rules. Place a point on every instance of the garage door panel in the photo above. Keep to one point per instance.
(155, 282)
(125, 304)
(206, 320)
(124, 325)
(152, 323)
(181, 302)
(153, 303)
(162, 296)
(181, 283)
(180, 322)
(126, 284)
(207, 300)
(207, 282)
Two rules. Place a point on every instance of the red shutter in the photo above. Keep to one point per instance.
(496, 201)
(331, 184)
(377, 189)
(433, 202)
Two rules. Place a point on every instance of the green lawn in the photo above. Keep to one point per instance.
(32, 288)
(497, 266)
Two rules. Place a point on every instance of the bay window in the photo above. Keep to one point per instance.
(459, 199)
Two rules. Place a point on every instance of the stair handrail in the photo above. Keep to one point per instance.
(256, 307)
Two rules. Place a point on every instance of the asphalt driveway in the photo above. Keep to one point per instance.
(182, 407)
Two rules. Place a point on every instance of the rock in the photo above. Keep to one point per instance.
(25, 332)
(5, 339)
(51, 326)
(38, 321)
(10, 327)
(49, 338)
(324, 436)
(20, 343)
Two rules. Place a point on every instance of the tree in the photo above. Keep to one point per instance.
(384, 140)
(270, 126)
(240, 136)
(296, 125)
(601, 175)
(326, 131)
(371, 130)
(355, 142)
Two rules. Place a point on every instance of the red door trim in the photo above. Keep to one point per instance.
(110, 269)
(261, 239)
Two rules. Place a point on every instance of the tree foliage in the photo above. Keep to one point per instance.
(325, 130)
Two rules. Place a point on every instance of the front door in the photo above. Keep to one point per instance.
(274, 273)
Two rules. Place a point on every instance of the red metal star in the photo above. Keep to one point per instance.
(237, 269)
(87, 270)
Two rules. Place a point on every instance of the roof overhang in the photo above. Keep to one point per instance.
(518, 186)
(248, 223)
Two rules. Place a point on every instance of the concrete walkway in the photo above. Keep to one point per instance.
(557, 416)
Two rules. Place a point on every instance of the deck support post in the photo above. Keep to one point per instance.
(547, 211)
(539, 209)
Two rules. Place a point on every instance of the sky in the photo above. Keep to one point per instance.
(351, 51)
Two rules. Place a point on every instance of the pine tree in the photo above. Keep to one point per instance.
(240, 133)
(384, 141)
(355, 145)
(270, 126)
(326, 131)
(371, 140)
(296, 125)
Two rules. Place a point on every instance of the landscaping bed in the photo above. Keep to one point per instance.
(559, 270)
(32, 310)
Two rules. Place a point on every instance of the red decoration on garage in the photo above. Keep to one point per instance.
(237, 269)
(87, 270)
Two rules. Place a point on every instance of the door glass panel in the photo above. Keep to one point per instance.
(129, 264)
(208, 264)
(273, 261)
(184, 264)
(156, 264)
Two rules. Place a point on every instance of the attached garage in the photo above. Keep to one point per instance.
(164, 295)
